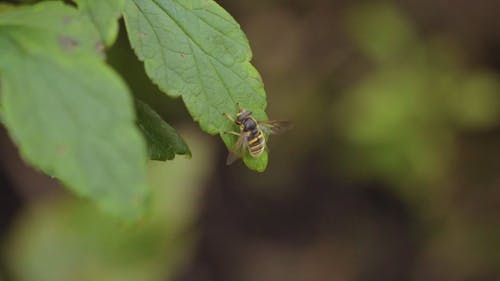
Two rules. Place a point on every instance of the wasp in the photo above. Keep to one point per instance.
(252, 135)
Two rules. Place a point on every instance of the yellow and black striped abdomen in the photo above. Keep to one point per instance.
(256, 143)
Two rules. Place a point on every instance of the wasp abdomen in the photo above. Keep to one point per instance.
(256, 143)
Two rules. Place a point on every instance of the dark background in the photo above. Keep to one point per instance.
(392, 171)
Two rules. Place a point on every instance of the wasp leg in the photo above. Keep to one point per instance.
(232, 133)
(229, 117)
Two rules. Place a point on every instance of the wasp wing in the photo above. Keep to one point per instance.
(238, 149)
(275, 127)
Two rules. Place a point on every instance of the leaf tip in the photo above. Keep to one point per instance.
(258, 164)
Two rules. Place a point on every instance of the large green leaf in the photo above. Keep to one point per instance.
(52, 27)
(163, 141)
(196, 50)
(69, 113)
(104, 14)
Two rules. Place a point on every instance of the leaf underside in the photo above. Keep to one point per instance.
(163, 141)
(70, 114)
(196, 50)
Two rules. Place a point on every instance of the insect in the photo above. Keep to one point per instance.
(252, 135)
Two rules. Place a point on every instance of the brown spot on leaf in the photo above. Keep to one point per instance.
(67, 43)
(100, 47)
(67, 20)
(142, 35)
(182, 55)
(61, 150)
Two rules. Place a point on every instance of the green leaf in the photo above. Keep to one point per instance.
(196, 50)
(163, 141)
(70, 114)
(52, 27)
(104, 14)
(474, 103)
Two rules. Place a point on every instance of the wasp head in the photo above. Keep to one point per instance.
(242, 116)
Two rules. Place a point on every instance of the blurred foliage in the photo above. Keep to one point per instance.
(401, 120)
(473, 246)
(402, 124)
(380, 31)
(61, 239)
(391, 171)
(4, 7)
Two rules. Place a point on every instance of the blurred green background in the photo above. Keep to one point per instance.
(392, 171)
